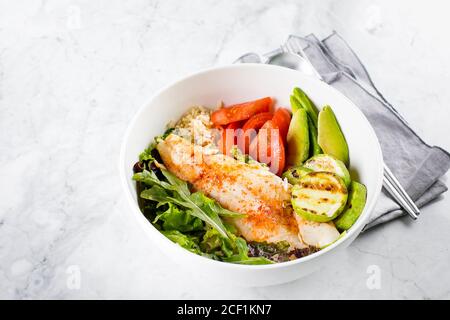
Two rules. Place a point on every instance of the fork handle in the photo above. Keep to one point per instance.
(387, 184)
(389, 175)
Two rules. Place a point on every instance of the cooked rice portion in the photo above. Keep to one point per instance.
(196, 126)
(196, 114)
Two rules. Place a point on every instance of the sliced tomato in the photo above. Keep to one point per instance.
(229, 137)
(268, 147)
(282, 119)
(253, 149)
(278, 156)
(242, 111)
(250, 129)
(264, 140)
(234, 125)
(257, 121)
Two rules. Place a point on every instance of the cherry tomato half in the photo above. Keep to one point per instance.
(268, 147)
(282, 119)
(242, 111)
(251, 127)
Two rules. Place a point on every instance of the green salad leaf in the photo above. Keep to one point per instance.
(158, 194)
(203, 201)
(242, 255)
(191, 219)
(176, 219)
(177, 191)
(233, 249)
(188, 242)
(274, 251)
(148, 153)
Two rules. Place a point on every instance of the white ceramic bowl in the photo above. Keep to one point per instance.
(238, 83)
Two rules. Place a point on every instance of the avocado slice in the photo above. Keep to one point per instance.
(298, 138)
(295, 104)
(294, 174)
(319, 196)
(328, 163)
(306, 103)
(355, 205)
(330, 137)
(314, 144)
(299, 100)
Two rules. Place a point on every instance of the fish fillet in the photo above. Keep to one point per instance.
(237, 186)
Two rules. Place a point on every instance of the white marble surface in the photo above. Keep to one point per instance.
(73, 73)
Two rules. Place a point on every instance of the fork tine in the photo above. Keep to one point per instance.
(292, 45)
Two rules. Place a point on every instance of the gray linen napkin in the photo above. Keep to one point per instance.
(416, 165)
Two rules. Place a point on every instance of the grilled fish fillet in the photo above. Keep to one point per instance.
(237, 186)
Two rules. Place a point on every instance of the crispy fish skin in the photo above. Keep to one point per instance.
(237, 186)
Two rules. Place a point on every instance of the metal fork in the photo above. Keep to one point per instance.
(390, 182)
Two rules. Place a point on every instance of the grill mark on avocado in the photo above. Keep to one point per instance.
(332, 186)
(318, 195)
(327, 187)
(310, 210)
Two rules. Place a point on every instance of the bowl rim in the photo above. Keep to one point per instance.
(356, 228)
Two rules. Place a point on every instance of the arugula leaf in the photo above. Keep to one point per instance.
(150, 179)
(202, 200)
(179, 185)
(177, 191)
(156, 193)
(199, 208)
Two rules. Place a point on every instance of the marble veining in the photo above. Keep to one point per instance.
(73, 73)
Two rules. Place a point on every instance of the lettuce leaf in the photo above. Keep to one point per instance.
(176, 219)
(232, 249)
(188, 242)
(148, 154)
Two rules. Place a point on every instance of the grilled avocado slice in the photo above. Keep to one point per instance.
(319, 196)
(294, 174)
(325, 162)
